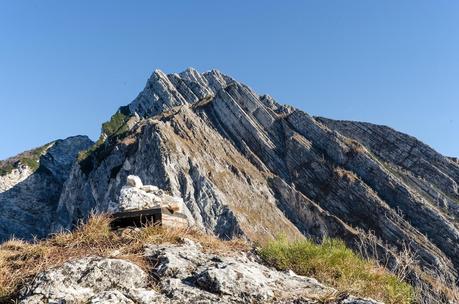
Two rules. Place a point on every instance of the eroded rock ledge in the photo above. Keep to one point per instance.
(182, 273)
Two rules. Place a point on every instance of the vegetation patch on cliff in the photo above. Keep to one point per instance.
(334, 264)
(113, 129)
(29, 158)
(116, 124)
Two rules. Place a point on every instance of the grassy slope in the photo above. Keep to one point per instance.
(333, 264)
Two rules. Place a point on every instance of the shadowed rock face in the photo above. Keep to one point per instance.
(245, 165)
(28, 199)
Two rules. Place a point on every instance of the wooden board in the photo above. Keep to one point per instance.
(155, 216)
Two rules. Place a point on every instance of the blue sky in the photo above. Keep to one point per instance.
(66, 66)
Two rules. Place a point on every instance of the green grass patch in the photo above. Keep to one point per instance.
(333, 264)
(5, 168)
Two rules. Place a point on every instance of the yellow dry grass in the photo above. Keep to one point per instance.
(332, 263)
(20, 261)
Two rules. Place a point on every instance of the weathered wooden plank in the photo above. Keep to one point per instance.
(139, 218)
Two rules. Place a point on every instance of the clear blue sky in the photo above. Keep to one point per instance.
(66, 66)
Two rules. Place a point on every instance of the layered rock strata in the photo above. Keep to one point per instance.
(245, 165)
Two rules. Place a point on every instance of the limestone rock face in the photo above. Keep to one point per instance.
(454, 160)
(183, 274)
(13, 178)
(132, 198)
(235, 278)
(29, 196)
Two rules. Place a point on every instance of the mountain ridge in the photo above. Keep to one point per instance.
(247, 166)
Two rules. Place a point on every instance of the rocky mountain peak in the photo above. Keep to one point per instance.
(245, 165)
(165, 91)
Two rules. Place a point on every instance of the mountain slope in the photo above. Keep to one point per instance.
(31, 184)
(247, 165)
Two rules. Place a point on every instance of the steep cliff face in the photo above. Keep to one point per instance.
(427, 172)
(30, 186)
(246, 165)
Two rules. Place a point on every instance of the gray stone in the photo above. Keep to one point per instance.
(235, 277)
(184, 274)
(136, 196)
(134, 181)
(89, 279)
(110, 297)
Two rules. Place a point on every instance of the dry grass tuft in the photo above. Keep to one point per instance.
(331, 262)
(354, 146)
(429, 286)
(349, 176)
(20, 261)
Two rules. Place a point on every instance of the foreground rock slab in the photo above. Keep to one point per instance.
(92, 279)
(182, 273)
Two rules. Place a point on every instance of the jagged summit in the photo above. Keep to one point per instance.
(165, 91)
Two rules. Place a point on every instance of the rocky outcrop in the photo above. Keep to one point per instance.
(30, 192)
(136, 196)
(181, 274)
(431, 175)
(90, 280)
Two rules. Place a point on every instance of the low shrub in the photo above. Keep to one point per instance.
(112, 129)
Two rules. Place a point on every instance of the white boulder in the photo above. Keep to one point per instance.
(134, 181)
(136, 196)
(150, 188)
(132, 198)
